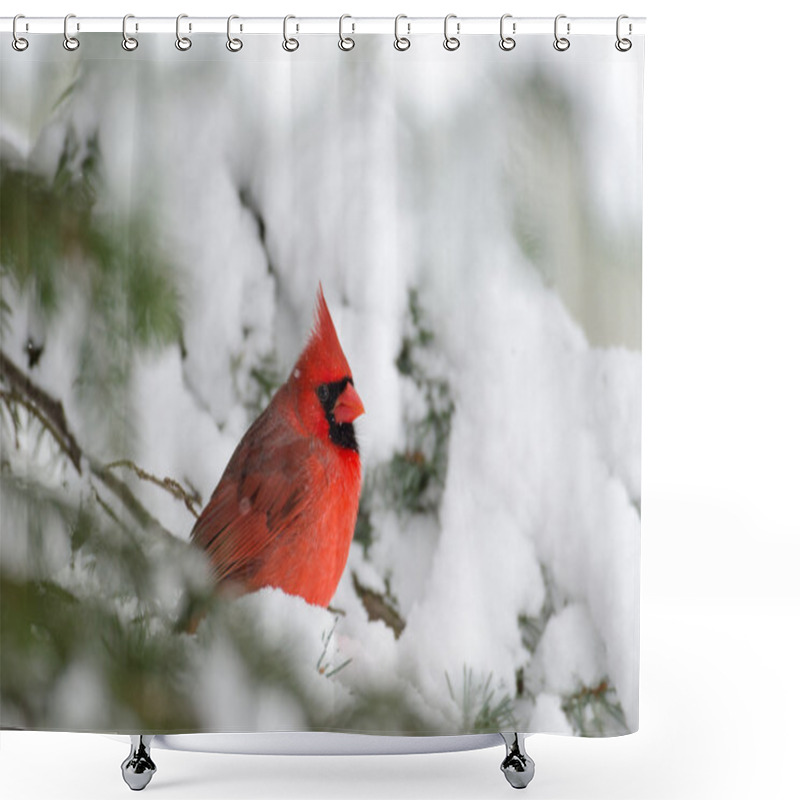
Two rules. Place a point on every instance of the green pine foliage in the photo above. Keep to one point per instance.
(53, 236)
(595, 711)
(82, 583)
(82, 602)
(485, 708)
(95, 605)
(413, 480)
(365, 533)
(256, 384)
(57, 244)
(384, 712)
(532, 627)
(416, 476)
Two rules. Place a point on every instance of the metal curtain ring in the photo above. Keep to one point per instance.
(623, 45)
(18, 43)
(129, 43)
(182, 42)
(507, 42)
(289, 44)
(561, 43)
(346, 43)
(234, 45)
(401, 43)
(70, 42)
(451, 42)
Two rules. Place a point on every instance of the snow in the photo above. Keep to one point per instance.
(548, 716)
(375, 181)
(80, 696)
(570, 652)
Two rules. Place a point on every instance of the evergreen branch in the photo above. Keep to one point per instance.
(46, 408)
(50, 412)
(168, 484)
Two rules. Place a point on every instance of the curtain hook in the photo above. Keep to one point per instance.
(129, 43)
(18, 43)
(561, 43)
(182, 42)
(623, 45)
(71, 43)
(451, 42)
(401, 43)
(289, 44)
(234, 45)
(346, 43)
(507, 42)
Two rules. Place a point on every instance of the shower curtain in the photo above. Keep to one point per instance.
(320, 396)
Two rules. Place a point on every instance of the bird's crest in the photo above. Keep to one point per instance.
(323, 359)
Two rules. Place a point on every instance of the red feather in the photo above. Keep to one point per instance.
(284, 511)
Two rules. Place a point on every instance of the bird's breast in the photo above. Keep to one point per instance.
(308, 559)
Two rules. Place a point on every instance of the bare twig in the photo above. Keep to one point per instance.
(105, 506)
(126, 496)
(377, 607)
(14, 398)
(323, 667)
(168, 484)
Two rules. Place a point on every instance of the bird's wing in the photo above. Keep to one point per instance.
(263, 495)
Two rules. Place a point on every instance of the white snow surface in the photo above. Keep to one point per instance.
(373, 177)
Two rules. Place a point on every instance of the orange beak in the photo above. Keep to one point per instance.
(349, 406)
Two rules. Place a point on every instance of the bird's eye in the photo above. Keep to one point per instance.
(323, 393)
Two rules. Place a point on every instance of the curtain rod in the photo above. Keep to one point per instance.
(464, 26)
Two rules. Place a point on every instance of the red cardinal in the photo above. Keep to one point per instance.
(285, 508)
